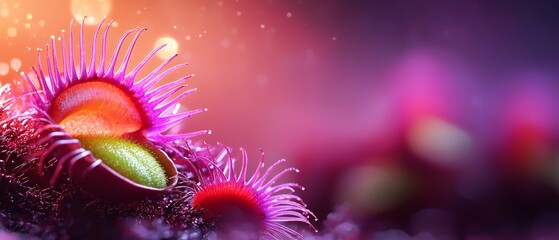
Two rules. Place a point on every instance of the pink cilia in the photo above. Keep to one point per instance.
(97, 101)
(253, 204)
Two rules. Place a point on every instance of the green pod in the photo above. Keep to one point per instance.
(128, 158)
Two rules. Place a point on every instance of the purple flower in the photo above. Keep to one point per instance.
(99, 122)
(248, 206)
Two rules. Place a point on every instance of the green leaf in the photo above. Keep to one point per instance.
(128, 158)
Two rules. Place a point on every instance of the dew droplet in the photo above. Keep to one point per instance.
(29, 16)
(176, 109)
(288, 14)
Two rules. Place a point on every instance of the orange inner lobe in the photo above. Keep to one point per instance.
(96, 108)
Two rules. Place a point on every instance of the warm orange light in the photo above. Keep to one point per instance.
(96, 108)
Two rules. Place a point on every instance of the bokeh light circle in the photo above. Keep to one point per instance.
(168, 51)
(4, 69)
(15, 64)
(12, 32)
(95, 10)
(4, 12)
